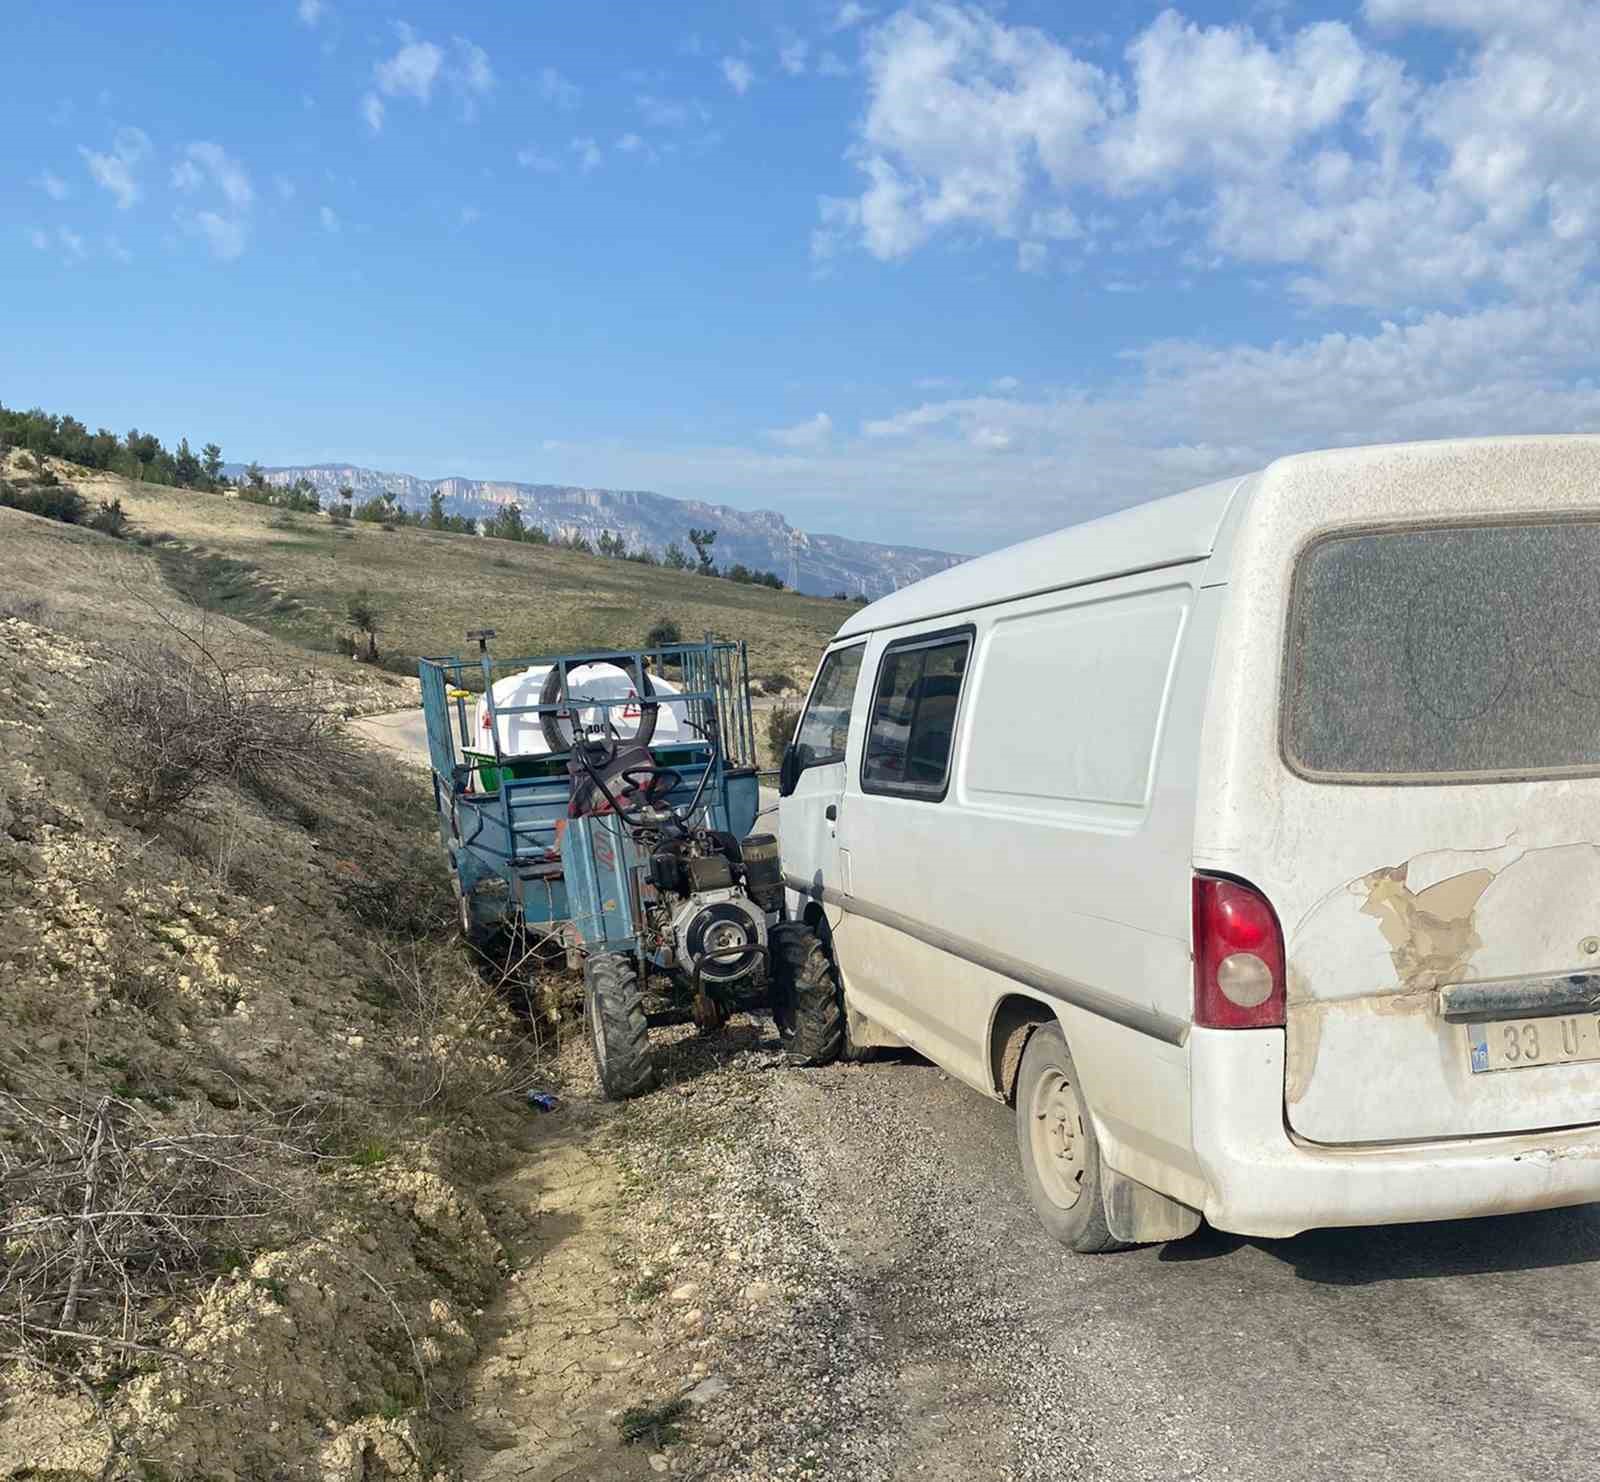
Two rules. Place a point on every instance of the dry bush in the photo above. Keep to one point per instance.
(782, 720)
(105, 1213)
(33, 610)
(174, 717)
(456, 1039)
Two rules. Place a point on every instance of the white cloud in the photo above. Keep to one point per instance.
(558, 90)
(849, 14)
(71, 244)
(973, 472)
(739, 74)
(534, 159)
(1312, 151)
(116, 171)
(329, 219)
(207, 161)
(792, 54)
(630, 144)
(830, 64)
(1005, 385)
(470, 74)
(226, 235)
(411, 72)
(225, 227)
(1032, 257)
(310, 12)
(964, 112)
(589, 154)
(668, 113)
(418, 67)
(813, 433)
(53, 186)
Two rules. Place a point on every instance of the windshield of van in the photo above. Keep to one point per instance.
(824, 729)
(1442, 653)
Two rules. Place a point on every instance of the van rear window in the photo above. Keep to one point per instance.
(1446, 653)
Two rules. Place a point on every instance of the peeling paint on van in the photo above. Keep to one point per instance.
(1365, 963)
(1430, 934)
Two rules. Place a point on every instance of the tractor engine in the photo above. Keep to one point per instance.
(712, 897)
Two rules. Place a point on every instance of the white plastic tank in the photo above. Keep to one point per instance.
(523, 736)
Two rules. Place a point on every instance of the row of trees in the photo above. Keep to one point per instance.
(508, 523)
(135, 455)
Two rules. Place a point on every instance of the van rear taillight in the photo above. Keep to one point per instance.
(1238, 956)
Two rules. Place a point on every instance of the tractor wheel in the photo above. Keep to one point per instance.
(618, 1034)
(807, 1005)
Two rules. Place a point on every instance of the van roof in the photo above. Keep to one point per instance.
(1184, 527)
(1164, 532)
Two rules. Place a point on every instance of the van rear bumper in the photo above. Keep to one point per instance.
(1260, 1180)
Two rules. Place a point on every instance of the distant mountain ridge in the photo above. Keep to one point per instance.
(761, 539)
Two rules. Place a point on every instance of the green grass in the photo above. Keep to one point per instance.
(655, 1425)
(430, 586)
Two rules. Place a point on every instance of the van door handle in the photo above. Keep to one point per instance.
(831, 812)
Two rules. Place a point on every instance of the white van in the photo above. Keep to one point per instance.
(1248, 841)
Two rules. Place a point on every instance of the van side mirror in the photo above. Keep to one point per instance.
(788, 770)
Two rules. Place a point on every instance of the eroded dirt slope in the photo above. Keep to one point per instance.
(219, 1019)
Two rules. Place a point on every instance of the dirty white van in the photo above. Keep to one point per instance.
(1247, 841)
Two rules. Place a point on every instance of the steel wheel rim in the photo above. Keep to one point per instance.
(1058, 1138)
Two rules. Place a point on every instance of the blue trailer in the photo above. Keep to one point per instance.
(560, 817)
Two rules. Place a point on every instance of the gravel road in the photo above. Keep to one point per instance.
(920, 1325)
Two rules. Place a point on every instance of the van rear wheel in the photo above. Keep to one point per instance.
(1060, 1156)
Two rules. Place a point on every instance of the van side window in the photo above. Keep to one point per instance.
(824, 729)
(914, 716)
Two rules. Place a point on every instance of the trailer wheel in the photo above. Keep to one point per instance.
(618, 1034)
(1060, 1156)
(807, 1005)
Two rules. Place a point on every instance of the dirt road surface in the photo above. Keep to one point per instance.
(404, 732)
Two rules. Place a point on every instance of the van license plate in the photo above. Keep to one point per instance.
(1519, 1044)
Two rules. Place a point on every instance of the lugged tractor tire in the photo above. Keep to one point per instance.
(619, 1037)
(807, 1005)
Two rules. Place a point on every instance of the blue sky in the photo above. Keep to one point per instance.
(940, 274)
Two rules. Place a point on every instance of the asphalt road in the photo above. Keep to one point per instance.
(1450, 1351)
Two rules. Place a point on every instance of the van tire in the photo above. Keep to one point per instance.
(619, 1037)
(1060, 1154)
(807, 1005)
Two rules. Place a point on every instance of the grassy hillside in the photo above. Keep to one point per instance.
(293, 574)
